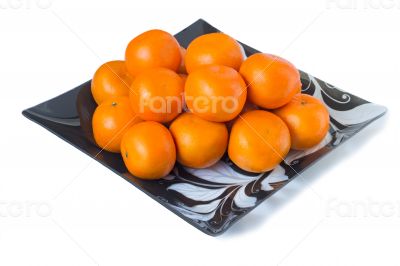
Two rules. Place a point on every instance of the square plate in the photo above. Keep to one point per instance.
(210, 199)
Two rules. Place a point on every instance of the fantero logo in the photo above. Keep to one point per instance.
(362, 208)
(200, 104)
(25, 4)
(24, 209)
(363, 4)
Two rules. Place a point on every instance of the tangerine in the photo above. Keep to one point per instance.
(259, 141)
(153, 48)
(215, 93)
(271, 81)
(307, 119)
(213, 49)
(110, 80)
(148, 150)
(110, 121)
(199, 143)
(156, 94)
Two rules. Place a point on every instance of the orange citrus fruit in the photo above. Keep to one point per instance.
(156, 94)
(271, 80)
(213, 49)
(307, 119)
(153, 48)
(259, 141)
(199, 143)
(215, 93)
(110, 121)
(110, 80)
(148, 150)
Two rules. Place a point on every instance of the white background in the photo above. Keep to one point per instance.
(58, 207)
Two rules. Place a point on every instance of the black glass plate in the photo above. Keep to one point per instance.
(210, 199)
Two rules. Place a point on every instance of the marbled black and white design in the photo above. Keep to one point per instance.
(210, 199)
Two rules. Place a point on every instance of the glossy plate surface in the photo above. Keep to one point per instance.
(209, 199)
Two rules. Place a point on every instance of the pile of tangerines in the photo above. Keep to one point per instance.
(165, 104)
